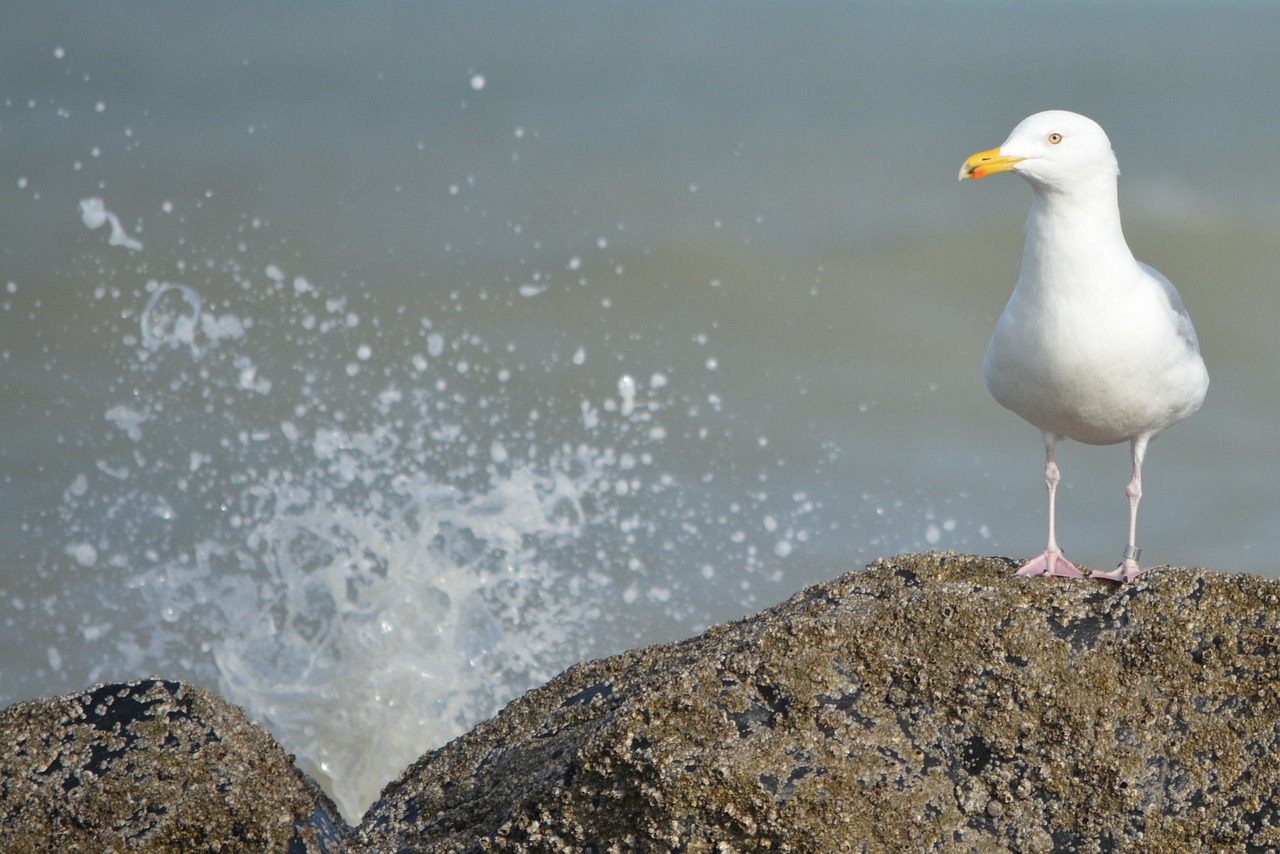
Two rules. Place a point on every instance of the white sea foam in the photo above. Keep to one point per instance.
(627, 391)
(83, 553)
(128, 420)
(171, 317)
(174, 316)
(94, 214)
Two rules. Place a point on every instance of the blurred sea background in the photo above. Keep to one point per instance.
(371, 363)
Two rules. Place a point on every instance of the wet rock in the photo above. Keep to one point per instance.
(930, 703)
(153, 765)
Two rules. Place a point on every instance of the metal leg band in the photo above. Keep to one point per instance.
(1131, 553)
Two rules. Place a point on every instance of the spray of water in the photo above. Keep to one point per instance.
(373, 529)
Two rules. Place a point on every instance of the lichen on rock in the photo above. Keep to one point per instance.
(157, 766)
(927, 703)
(930, 702)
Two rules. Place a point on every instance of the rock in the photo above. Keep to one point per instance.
(153, 766)
(929, 703)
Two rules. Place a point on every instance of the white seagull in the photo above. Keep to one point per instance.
(1093, 345)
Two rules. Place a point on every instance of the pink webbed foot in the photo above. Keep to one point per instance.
(1128, 570)
(1052, 562)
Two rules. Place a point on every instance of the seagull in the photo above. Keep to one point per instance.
(1093, 345)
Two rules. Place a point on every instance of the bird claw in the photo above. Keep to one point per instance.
(1052, 562)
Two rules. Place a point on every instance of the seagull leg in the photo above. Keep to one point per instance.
(1128, 568)
(1052, 562)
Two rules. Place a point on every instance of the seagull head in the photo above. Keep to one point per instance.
(1053, 150)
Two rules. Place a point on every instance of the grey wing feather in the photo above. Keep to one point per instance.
(1186, 331)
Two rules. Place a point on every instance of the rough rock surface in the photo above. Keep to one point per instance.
(153, 766)
(929, 703)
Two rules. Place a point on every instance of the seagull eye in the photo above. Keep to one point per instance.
(1055, 138)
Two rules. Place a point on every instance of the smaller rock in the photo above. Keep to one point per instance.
(153, 765)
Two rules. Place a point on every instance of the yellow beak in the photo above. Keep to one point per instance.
(985, 162)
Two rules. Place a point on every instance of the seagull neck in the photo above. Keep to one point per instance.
(1061, 223)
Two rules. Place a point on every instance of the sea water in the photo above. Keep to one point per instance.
(372, 365)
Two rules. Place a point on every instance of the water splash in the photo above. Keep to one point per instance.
(382, 630)
(373, 530)
(171, 317)
(94, 214)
